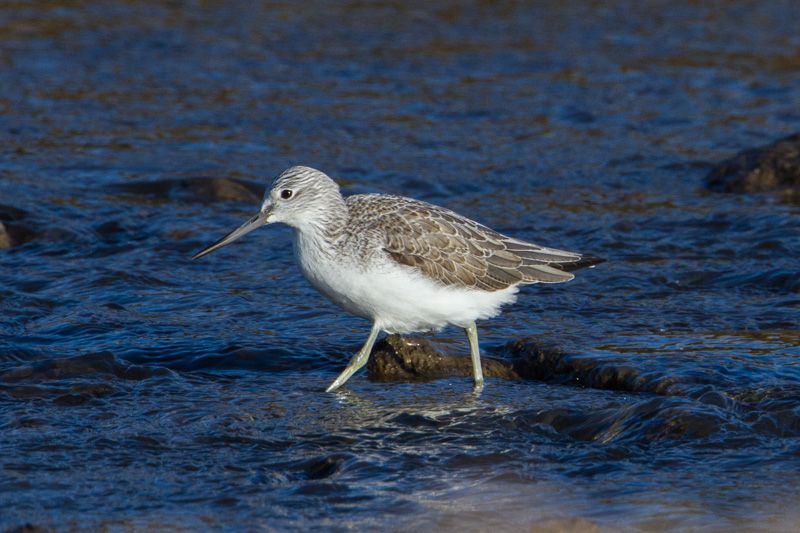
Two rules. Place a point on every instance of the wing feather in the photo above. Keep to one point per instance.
(455, 250)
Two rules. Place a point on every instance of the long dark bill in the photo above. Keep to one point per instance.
(254, 223)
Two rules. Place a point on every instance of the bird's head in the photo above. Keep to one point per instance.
(300, 197)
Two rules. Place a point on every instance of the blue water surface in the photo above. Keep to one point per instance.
(140, 390)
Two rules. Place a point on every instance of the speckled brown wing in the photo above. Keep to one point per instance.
(454, 250)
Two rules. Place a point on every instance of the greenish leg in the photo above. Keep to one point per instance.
(475, 351)
(360, 359)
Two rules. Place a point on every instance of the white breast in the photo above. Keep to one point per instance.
(397, 297)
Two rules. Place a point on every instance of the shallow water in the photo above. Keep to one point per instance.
(141, 390)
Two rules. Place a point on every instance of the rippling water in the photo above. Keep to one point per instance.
(141, 390)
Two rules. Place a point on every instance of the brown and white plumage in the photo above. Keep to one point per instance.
(404, 264)
(455, 250)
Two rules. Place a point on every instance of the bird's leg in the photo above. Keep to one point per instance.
(475, 351)
(358, 360)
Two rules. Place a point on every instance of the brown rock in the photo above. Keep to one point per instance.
(6, 240)
(12, 235)
(196, 189)
(775, 167)
(414, 359)
(12, 231)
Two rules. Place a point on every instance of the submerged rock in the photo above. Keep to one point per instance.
(771, 168)
(80, 366)
(197, 189)
(534, 361)
(565, 525)
(29, 528)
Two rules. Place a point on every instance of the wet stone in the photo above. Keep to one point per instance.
(10, 214)
(323, 468)
(399, 359)
(27, 422)
(551, 364)
(29, 528)
(93, 364)
(83, 393)
(195, 189)
(68, 400)
(414, 359)
(13, 232)
(771, 168)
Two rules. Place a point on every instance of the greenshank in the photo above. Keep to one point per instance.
(405, 265)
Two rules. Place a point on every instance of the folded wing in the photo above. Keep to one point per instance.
(455, 250)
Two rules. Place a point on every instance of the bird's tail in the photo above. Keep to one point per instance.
(586, 261)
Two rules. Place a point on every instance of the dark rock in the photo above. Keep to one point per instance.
(12, 235)
(29, 528)
(71, 400)
(198, 189)
(92, 364)
(541, 363)
(771, 168)
(94, 390)
(324, 467)
(398, 359)
(13, 232)
(10, 214)
(27, 422)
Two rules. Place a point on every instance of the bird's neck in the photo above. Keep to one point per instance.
(327, 223)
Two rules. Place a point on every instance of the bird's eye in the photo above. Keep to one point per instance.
(286, 194)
